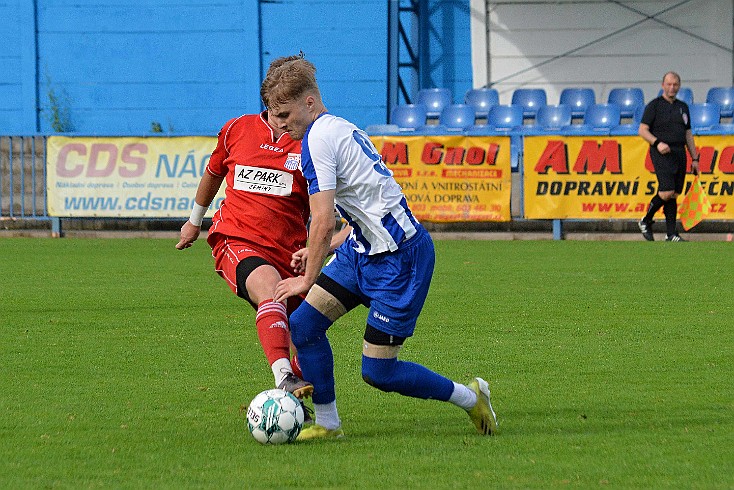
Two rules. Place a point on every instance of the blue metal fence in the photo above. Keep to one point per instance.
(23, 177)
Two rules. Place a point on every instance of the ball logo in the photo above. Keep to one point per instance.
(253, 415)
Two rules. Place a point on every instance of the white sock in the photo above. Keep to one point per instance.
(281, 368)
(327, 416)
(463, 397)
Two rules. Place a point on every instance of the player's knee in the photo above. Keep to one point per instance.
(307, 325)
(666, 195)
(330, 298)
(380, 373)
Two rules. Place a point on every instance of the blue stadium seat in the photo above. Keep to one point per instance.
(627, 99)
(482, 99)
(685, 94)
(705, 117)
(505, 117)
(530, 99)
(630, 128)
(603, 116)
(504, 120)
(457, 117)
(578, 99)
(552, 119)
(435, 99)
(599, 119)
(409, 116)
(724, 128)
(724, 97)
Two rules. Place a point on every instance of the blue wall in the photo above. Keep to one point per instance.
(12, 83)
(449, 47)
(117, 67)
(347, 41)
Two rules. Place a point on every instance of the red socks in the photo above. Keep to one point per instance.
(272, 330)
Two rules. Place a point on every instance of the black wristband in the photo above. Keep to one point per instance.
(655, 143)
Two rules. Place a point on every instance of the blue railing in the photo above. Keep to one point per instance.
(23, 177)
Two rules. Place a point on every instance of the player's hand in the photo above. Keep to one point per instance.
(292, 286)
(189, 233)
(663, 148)
(298, 261)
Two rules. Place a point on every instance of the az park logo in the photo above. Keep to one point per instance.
(293, 161)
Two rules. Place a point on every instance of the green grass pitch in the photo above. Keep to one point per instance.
(125, 364)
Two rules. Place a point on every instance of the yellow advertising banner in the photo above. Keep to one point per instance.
(451, 178)
(138, 177)
(588, 177)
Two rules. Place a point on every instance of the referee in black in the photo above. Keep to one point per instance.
(666, 126)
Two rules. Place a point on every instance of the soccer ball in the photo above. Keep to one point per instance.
(275, 417)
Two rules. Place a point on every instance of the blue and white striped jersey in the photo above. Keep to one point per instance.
(337, 155)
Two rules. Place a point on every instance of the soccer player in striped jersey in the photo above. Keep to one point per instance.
(260, 224)
(386, 263)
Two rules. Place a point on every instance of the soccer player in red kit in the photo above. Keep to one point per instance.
(260, 224)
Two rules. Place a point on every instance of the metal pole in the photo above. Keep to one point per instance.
(29, 66)
(393, 67)
(488, 42)
(22, 177)
(10, 174)
(424, 60)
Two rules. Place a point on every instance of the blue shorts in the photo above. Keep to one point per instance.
(393, 284)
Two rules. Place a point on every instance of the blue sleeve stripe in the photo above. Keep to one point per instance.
(307, 165)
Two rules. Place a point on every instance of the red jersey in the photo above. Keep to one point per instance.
(266, 199)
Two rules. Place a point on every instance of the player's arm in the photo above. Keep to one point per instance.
(692, 151)
(319, 234)
(645, 134)
(300, 258)
(208, 188)
(319, 242)
(340, 238)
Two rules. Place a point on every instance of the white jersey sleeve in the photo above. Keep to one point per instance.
(336, 155)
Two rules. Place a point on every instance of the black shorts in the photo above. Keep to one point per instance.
(670, 169)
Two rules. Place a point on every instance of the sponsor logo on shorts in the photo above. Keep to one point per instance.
(380, 317)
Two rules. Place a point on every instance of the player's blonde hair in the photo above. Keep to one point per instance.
(288, 78)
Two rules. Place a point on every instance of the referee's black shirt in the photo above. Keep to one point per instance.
(668, 121)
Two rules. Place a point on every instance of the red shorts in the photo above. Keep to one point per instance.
(228, 252)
